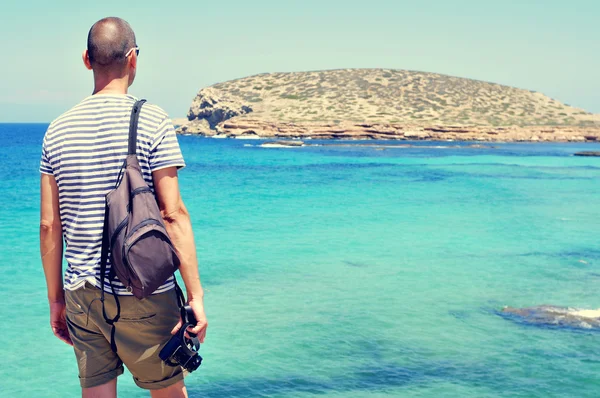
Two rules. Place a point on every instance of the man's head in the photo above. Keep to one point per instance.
(111, 49)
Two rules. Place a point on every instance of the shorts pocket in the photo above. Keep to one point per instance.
(74, 312)
(136, 317)
(71, 307)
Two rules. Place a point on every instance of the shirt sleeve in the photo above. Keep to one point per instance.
(165, 151)
(45, 165)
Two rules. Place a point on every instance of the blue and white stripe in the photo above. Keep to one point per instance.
(84, 150)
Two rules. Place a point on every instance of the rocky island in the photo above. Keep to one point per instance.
(382, 104)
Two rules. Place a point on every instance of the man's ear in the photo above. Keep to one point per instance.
(86, 59)
(133, 60)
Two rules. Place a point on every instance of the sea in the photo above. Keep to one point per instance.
(342, 269)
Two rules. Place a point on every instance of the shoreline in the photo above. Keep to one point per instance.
(246, 128)
(402, 143)
(381, 145)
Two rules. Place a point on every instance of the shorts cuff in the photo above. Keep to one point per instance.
(157, 385)
(98, 380)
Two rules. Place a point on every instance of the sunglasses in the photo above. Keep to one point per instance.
(137, 51)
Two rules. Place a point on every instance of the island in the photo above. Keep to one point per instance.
(361, 104)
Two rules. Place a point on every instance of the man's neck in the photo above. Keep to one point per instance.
(112, 86)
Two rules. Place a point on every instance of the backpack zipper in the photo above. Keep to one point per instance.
(143, 224)
(138, 191)
(118, 230)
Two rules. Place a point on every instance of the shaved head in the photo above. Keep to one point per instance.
(108, 41)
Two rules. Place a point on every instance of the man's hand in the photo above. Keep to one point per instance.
(58, 321)
(201, 326)
(51, 249)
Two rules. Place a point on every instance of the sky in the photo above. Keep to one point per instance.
(543, 45)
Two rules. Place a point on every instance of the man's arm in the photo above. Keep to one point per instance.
(179, 227)
(51, 249)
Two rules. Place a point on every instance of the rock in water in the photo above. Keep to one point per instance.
(550, 315)
(197, 127)
(282, 144)
(587, 153)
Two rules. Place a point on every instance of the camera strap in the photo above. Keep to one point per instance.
(181, 300)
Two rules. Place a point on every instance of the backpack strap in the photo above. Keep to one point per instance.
(133, 125)
(131, 150)
(103, 261)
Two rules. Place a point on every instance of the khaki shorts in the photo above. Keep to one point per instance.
(141, 332)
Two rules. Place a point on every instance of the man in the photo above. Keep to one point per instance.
(82, 155)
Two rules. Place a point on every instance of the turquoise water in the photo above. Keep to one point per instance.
(350, 272)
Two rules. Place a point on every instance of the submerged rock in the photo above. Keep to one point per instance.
(550, 315)
(282, 144)
(587, 153)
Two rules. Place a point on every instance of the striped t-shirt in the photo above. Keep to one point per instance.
(84, 150)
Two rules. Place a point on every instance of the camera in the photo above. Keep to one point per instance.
(181, 350)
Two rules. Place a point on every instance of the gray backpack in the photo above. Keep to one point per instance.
(141, 253)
